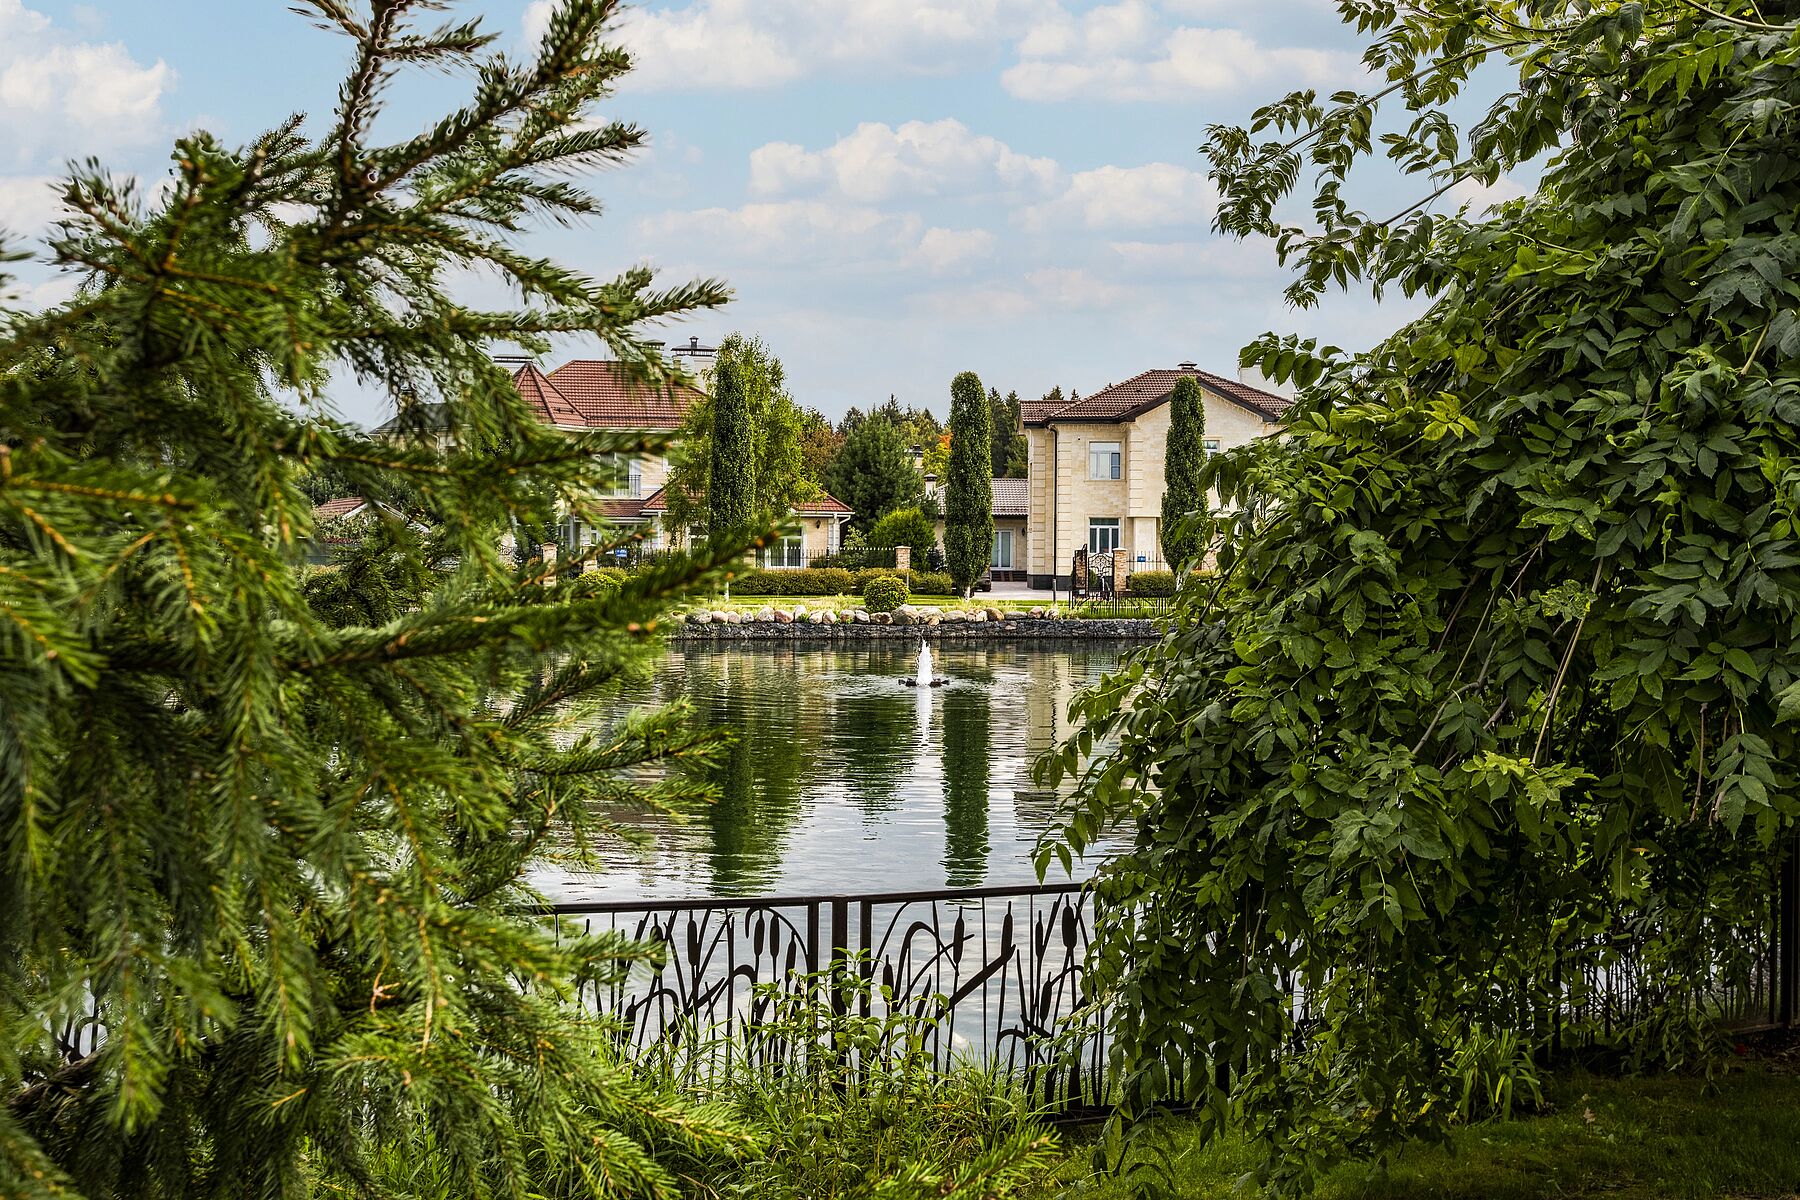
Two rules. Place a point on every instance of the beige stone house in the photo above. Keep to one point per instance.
(1011, 501)
(1096, 464)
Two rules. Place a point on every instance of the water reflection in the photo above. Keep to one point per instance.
(842, 780)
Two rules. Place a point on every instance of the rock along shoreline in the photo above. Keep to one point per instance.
(784, 625)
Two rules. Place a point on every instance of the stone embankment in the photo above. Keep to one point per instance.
(798, 622)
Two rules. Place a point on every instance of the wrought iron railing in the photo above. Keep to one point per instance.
(998, 970)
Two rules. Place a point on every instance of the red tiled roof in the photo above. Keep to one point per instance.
(625, 508)
(1012, 497)
(1141, 393)
(551, 406)
(601, 395)
(827, 505)
(343, 506)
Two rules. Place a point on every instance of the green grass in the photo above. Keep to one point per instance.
(1665, 1138)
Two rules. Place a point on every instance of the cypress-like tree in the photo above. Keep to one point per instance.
(779, 478)
(969, 490)
(731, 480)
(1184, 495)
(268, 837)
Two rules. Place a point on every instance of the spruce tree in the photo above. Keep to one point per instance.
(731, 479)
(969, 490)
(1184, 494)
(270, 837)
(872, 473)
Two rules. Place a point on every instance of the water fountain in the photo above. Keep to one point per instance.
(922, 676)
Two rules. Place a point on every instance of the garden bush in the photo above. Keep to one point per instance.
(1150, 583)
(905, 527)
(932, 583)
(807, 581)
(884, 595)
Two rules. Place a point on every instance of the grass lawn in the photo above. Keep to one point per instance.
(1658, 1138)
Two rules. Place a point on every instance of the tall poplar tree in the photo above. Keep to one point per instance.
(969, 489)
(268, 837)
(1184, 493)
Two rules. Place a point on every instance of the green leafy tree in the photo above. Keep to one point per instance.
(873, 473)
(1496, 690)
(1184, 489)
(273, 832)
(905, 527)
(766, 440)
(969, 488)
(819, 444)
(1008, 446)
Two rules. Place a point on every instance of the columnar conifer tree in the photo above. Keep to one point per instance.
(969, 490)
(1496, 696)
(731, 481)
(268, 841)
(779, 478)
(1184, 492)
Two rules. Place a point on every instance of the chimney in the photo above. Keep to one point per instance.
(1252, 377)
(1187, 366)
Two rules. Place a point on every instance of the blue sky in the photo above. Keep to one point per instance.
(896, 190)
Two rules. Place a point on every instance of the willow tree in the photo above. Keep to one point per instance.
(1496, 689)
(969, 490)
(269, 837)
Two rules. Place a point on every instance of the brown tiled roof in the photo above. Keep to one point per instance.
(1012, 497)
(826, 505)
(343, 506)
(600, 395)
(1141, 393)
(551, 406)
(625, 508)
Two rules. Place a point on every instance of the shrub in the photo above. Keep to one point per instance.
(864, 574)
(884, 595)
(904, 527)
(932, 583)
(1150, 583)
(808, 581)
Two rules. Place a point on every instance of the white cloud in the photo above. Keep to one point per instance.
(879, 162)
(1043, 291)
(1155, 194)
(1062, 62)
(951, 251)
(1220, 258)
(805, 234)
(762, 43)
(1479, 198)
(28, 204)
(72, 96)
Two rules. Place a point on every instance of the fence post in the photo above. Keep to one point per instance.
(903, 560)
(1787, 936)
(1121, 573)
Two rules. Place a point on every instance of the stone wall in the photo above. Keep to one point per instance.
(1009, 627)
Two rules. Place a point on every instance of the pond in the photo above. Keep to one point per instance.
(842, 780)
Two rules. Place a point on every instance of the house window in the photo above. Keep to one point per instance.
(1209, 446)
(1103, 460)
(628, 477)
(788, 552)
(1002, 558)
(1103, 535)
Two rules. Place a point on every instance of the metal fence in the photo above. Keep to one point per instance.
(998, 972)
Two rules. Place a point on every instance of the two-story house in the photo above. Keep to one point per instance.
(1096, 463)
(591, 393)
